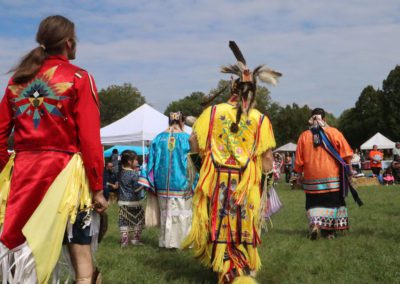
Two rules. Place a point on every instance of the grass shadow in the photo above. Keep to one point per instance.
(291, 232)
(179, 266)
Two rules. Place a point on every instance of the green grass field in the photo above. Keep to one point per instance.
(368, 253)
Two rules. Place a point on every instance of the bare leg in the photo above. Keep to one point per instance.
(81, 257)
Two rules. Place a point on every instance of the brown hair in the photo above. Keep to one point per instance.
(51, 36)
(127, 156)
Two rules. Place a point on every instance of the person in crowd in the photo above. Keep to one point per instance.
(277, 165)
(164, 176)
(288, 167)
(53, 108)
(235, 142)
(375, 158)
(396, 150)
(131, 213)
(115, 159)
(321, 179)
(110, 182)
(356, 161)
(395, 165)
(388, 178)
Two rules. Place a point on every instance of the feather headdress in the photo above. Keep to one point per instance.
(245, 86)
(240, 69)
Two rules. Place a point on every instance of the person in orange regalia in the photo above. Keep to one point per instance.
(375, 160)
(49, 184)
(325, 203)
(235, 141)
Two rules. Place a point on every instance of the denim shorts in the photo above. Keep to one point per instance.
(80, 235)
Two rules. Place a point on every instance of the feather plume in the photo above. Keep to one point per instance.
(236, 51)
(232, 69)
(266, 75)
(241, 66)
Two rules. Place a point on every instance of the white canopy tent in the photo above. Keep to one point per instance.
(138, 127)
(378, 139)
(289, 147)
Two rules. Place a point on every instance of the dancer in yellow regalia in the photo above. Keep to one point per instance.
(234, 141)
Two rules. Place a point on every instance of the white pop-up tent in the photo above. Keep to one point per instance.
(141, 125)
(289, 147)
(378, 139)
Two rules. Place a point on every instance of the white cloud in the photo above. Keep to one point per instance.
(327, 51)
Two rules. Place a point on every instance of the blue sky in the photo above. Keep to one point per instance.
(328, 51)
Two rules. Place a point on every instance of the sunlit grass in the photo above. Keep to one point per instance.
(368, 253)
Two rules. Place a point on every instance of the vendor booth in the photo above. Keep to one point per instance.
(138, 128)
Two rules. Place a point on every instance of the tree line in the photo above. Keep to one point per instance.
(374, 111)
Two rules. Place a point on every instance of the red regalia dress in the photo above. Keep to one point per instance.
(56, 123)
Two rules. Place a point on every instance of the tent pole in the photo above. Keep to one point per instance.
(144, 160)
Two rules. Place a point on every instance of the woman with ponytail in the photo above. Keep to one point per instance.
(54, 34)
(54, 179)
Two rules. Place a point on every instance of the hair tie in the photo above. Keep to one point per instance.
(42, 46)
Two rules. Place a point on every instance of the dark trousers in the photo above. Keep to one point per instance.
(375, 170)
(288, 173)
(356, 167)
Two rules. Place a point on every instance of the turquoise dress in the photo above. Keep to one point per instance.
(165, 171)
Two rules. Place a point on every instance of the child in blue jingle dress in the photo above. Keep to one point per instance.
(131, 213)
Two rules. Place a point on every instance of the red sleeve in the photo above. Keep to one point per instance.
(299, 161)
(87, 115)
(6, 125)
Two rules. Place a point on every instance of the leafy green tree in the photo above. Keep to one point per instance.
(365, 119)
(391, 104)
(331, 119)
(189, 105)
(117, 101)
(374, 111)
(289, 122)
(349, 125)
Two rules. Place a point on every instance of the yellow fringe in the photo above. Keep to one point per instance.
(45, 229)
(5, 182)
(218, 262)
(254, 258)
(244, 280)
(250, 180)
(207, 177)
(201, 127)
(267, 139)
(225, 269)
(79, 196)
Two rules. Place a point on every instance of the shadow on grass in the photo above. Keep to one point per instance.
(150, 237)
(387, 235)
(299, 232)
(178, 266)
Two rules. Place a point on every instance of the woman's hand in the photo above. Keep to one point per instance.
(99, 202)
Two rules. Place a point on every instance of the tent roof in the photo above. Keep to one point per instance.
(378, 139)
(142, 124)
(121, 148)
(289, 147)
